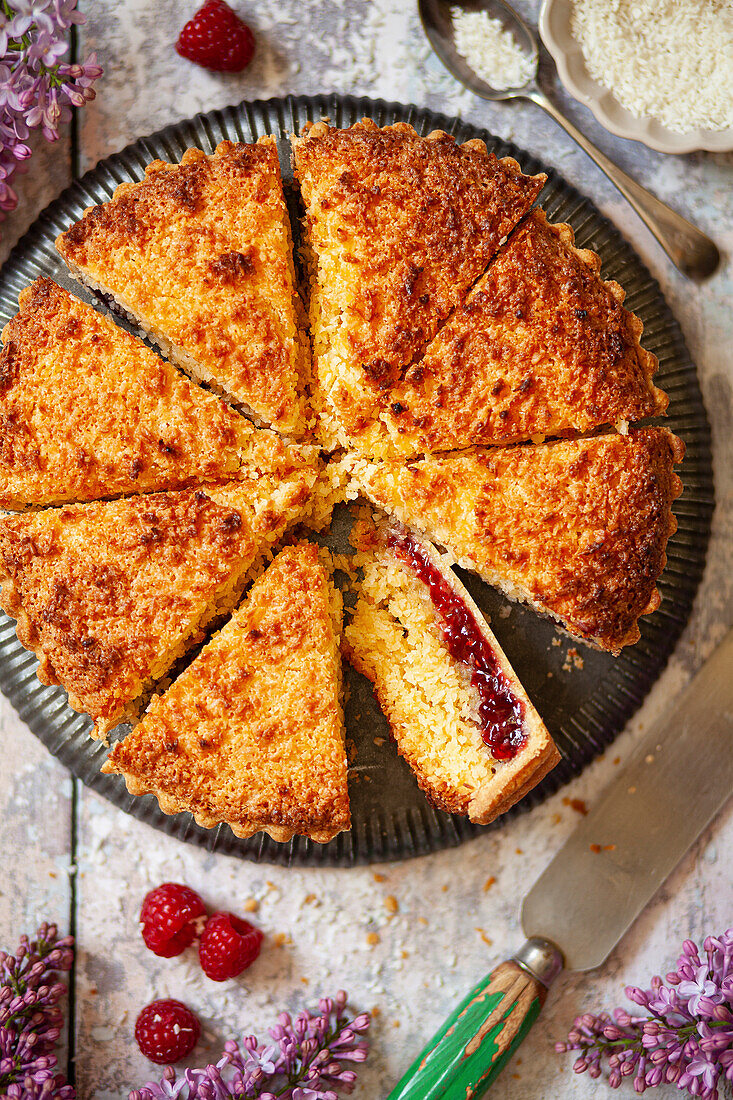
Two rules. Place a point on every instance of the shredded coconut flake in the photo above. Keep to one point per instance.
(671, 60)
(491, 51)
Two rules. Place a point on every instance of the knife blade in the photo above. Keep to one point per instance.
(677, 779)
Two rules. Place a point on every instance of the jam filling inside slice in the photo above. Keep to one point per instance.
(501, 713)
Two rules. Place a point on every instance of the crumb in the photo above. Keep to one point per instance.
(395, 1023)
(379, 741)
(280, 939)
(632, 790)
(609, 847)
(617, 760)
(305, 981)
(517, 1076)
(93, 992)
(53, 874)
(270, 884)
(556, 819)
(576, 804)
(373, 938)
(649, 759)
(445, 888)
(505, 612)
(404, 954)
(489, 883)
(366, 778)
(487, 939)
(549, 675)
(519, 851)
(595, 848)
(251, 905)
(379, 877)
(421, 920)
(350, 750)
(376, 1011)
(391, 904)
(309, 899)
(556, 641)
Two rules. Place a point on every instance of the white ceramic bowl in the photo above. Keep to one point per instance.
(557, 36)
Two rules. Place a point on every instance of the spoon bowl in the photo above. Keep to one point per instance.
(437, 21)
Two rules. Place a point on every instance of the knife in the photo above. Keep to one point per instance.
(677, 779)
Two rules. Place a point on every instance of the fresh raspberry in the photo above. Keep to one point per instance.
(166, 1031)
(217, 39)
(228, 946)
(167, 916)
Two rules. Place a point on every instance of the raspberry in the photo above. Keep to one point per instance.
(167, 916)
(217, 39)
(228, 946)
(166, 1031)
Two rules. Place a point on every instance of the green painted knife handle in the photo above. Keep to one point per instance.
(465, 1056)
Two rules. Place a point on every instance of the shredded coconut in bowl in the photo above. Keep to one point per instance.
(671, 60)
(491, 51)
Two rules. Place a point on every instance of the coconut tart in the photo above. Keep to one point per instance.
(575, 528)
(251, 734)
(90, 412)
(109, 595)
(199, 256)
(458, 713)
(541, 346)
(398, 229)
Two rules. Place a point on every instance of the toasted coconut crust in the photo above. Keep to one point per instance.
(88, 411)
(109, 595)
(199, 253)
(399, 226)
(577, 528)
(439, 758)
(541, 346)
(251, 734)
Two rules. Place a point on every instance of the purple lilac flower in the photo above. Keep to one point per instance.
(687, 1037)
(37, 88)
(30, 1018)
(303, 1063)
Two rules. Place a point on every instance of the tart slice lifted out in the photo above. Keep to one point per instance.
(541, 346)
(109, 595)
(251, 734)
(90, 412)
(577, 528)
(399, 227)
(199, 256)
(458, 713)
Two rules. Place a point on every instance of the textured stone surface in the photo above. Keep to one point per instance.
(449, 930)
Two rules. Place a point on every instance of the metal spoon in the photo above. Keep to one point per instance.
(689, 249)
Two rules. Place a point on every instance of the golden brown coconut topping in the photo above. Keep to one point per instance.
(541, 346)
(577, 528)
(252, 732)
(399, 227)
(200, 255)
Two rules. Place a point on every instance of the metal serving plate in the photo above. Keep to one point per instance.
(584, 707)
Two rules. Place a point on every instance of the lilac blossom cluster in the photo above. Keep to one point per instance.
(37, 89)
(30, 1017)
(305, 1061)
(687, 1038)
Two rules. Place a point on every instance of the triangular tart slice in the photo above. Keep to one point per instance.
(251, 734)
(110, 594)
(458, 713)
(541, 346)
(398, 228)
(199, 256)
(90, 412)
(576, 528)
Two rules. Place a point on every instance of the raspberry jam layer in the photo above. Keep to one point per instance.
(501, 713)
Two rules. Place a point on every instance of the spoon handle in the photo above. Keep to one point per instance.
(688, 249)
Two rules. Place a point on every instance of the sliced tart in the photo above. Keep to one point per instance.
(458, 713)
(110, 594)
(199, 256)
(251, 734)
(398, 228)
(575, 528)
(90, 412)
(541, 346)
